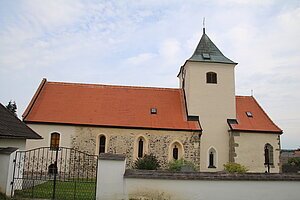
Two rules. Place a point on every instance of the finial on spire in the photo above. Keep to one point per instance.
(203, 25)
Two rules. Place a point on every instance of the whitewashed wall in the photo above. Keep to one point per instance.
(114, 182)
(212, 190)
(6, 169)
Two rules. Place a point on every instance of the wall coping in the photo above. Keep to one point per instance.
(111, 156)
(7, 150)
(153, 174)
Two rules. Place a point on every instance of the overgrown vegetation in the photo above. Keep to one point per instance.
(235, 167)
(148, 162)
(176, 165)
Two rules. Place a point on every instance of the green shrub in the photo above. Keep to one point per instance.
(296, 161)
(175, 165)
(235, 167)
(148, 162)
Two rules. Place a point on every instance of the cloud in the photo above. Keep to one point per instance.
(145, 43)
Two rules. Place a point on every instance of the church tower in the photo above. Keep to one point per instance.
(207, 79)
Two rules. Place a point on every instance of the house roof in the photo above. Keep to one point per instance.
(13, 127)
(256, 121)
(207, 51)
(107, 105)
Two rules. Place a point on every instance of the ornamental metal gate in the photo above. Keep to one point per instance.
(54, 173)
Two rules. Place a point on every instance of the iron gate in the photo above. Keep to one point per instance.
(54, 173)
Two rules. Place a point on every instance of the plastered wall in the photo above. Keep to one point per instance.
(214, 104)
(248, 150)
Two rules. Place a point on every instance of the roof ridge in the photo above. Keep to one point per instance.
(112, 86)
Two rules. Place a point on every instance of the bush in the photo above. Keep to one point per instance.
(235, 167)
(294, 161)
(176, 165)
(148, 162)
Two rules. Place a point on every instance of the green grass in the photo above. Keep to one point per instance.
(64, 190)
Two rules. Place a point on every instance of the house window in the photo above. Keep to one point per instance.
(175, 152)
(212, 158)
(102, 144)
(54, 143)
(269, 159)
(211, 77)
(141, 148)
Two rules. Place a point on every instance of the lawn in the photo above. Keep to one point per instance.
(64, 190)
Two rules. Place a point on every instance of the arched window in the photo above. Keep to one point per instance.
(175, 152)
(102, 144)
(212, 158)
(54, 142)
(269, 160)
(211, 77)
(141, 148)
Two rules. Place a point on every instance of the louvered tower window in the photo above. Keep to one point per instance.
(211, 77)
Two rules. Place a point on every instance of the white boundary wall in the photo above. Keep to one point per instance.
(7, 155)
(114, 183)
(212, 190)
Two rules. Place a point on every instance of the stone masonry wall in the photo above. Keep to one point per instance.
(123, 141)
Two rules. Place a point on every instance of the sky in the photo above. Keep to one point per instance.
(144, 43)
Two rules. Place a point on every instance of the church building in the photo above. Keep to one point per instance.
(202, 121)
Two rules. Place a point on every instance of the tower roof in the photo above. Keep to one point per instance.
(207, 51)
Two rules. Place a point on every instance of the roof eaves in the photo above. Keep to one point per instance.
(115, 126)
(33, 134)
(256, 131)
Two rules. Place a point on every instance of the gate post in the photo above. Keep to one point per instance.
(110, 177)
(7, 156)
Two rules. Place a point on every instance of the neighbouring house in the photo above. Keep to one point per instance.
(202, 121)
(14, 132)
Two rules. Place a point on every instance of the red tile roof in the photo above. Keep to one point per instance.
(259, 122)
(126, 106)
(107, 105)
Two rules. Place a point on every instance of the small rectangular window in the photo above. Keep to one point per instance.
(206, 55)
(211, 77)
(153, 111)
(249, 114)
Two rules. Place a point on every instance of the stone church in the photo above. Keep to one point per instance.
(202, 121)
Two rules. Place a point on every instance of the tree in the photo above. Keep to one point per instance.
(12, 107)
